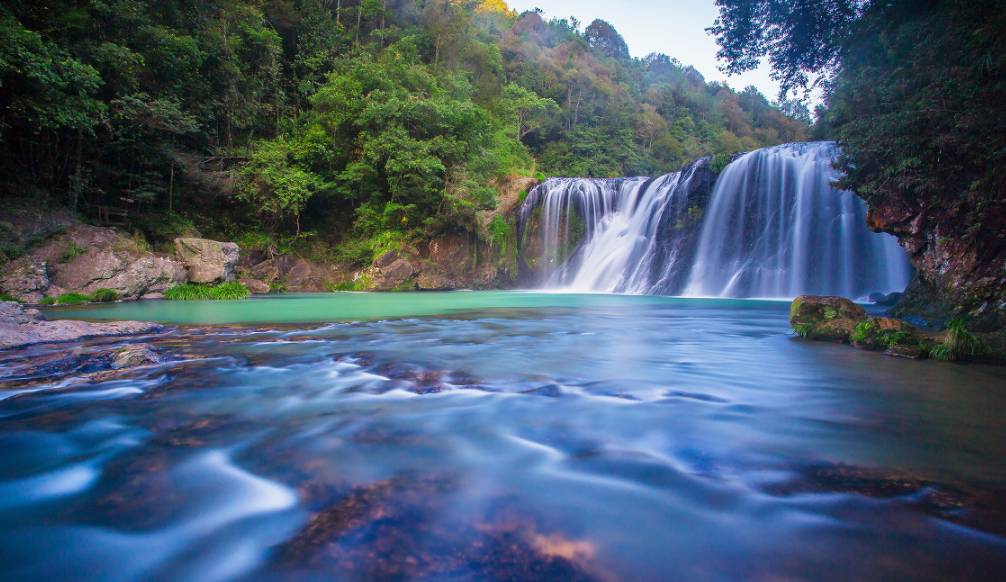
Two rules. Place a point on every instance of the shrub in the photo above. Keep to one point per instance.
(104, 296)
(195, 292)
(47, 301)
(6, 297)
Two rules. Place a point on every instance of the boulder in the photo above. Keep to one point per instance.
(393, 276)
(22, 327)
(207, 261)
(826, 318)
(134, 355)
(255, 286)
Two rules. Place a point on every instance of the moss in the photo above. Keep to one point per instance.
(194, 292)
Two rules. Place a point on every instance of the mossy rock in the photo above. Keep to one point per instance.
(825, 318)
(884, 333)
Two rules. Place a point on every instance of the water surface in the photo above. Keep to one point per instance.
(498, 436)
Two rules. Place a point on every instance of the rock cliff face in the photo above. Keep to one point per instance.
(87, 258)
(960, 263)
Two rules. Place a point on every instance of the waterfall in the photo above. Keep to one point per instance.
(771, 225)
(776, 227)
(618, 235)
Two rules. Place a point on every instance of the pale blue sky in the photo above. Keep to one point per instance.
(673, 27)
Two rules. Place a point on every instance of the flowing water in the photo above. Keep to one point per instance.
(496, 436)
(774, 226)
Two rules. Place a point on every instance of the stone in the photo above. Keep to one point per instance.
(826, 318)
(208, 261)
(911, 352)
(134, 355)
(21, 327)
(394, 275)
(26, 278)
(266, 271)
(885, 299)
(255, 286)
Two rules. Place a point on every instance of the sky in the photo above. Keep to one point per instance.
(676, 28)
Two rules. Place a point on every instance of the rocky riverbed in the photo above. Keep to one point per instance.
(21, 326)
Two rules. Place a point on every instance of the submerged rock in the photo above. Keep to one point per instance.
(208, 261)
(22, 327)
(826, 318)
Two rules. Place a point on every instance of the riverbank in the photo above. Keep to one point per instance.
(839, 320)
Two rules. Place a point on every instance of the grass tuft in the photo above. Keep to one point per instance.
(194, 292)
(104, 295)
(960, 345)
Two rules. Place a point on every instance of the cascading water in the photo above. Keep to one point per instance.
(616, 236)
(772, 226)
(777, 228)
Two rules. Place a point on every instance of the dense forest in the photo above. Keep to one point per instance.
(345, 125)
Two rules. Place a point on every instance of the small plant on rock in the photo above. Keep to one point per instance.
(73, 250)
(960, 345)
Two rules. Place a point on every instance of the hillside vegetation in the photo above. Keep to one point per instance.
(336, 126)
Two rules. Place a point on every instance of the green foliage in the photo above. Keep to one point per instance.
(803, 329)
(863, 331)
(47, 300)
(719, 162)
(70, 299)
(959, 345)
(347, 120)
(73, 250)
(361, 283)
(104, 295)
(196, 292)
(8, 297)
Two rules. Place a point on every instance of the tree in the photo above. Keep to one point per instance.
(801, 39)
(530, 111)
(602, 36)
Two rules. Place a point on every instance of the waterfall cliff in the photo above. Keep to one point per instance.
(770, 225)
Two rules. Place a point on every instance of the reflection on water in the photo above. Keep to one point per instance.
(533, 437)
